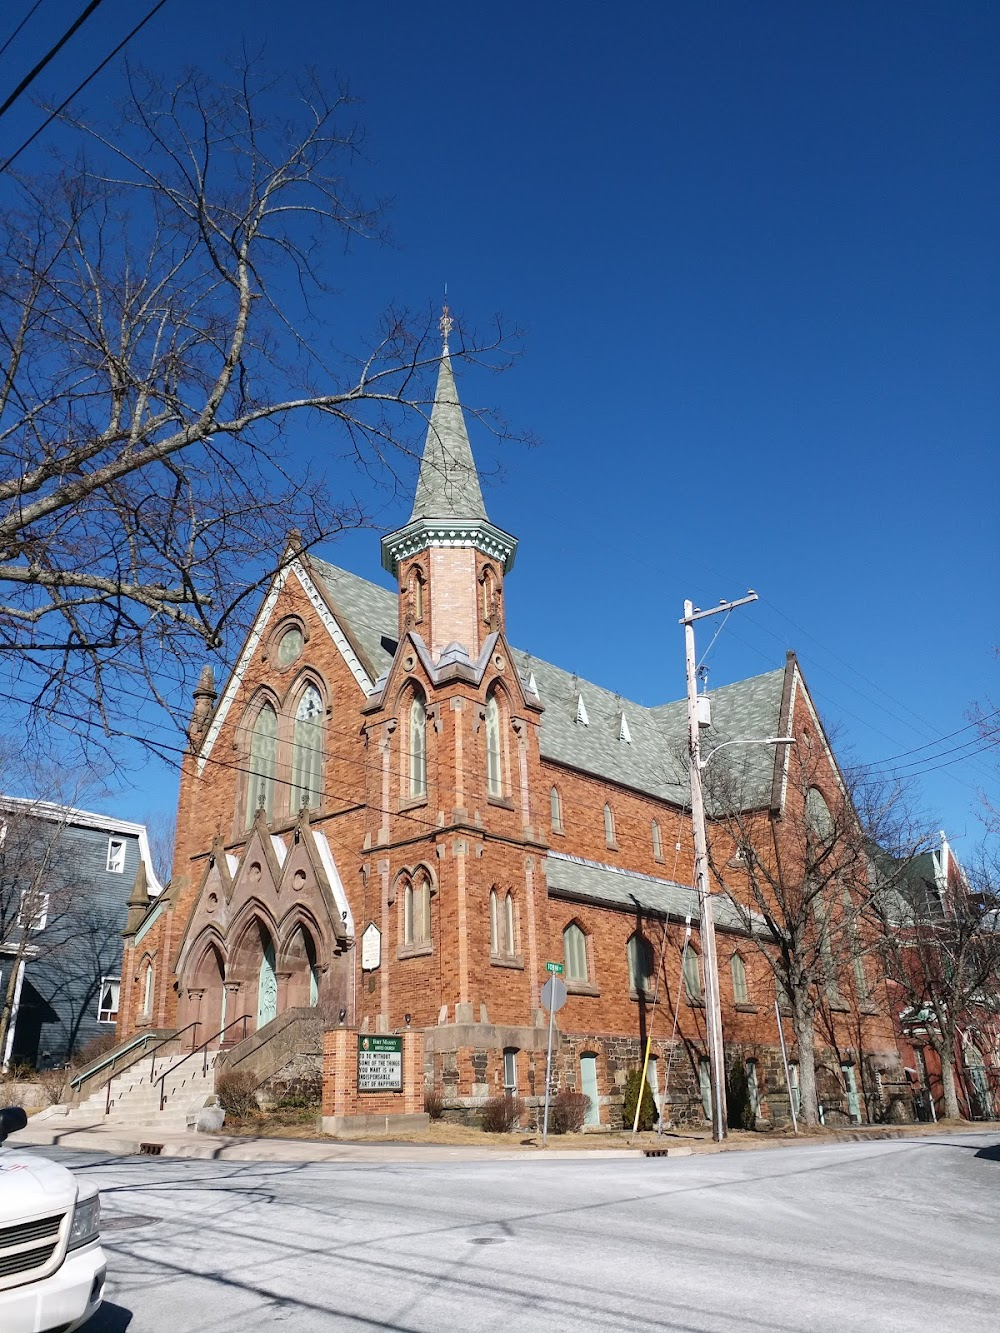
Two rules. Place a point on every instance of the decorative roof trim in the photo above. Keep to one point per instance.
(424, 533)
(581, 711)
(327, 619)
(623, 732)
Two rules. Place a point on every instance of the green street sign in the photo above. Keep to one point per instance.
(554, 967)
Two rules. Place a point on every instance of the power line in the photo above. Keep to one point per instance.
(80, 86)
(33, 74)
(19, 26)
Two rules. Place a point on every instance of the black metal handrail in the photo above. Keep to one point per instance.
(194, 1051)
(163, 1041)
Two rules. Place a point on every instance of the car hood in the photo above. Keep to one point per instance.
(32, 1186)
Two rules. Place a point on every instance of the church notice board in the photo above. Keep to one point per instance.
(380, 1064)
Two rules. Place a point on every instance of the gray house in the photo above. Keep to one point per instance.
(65, 879)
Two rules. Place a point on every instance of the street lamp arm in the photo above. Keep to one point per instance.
(763, 740)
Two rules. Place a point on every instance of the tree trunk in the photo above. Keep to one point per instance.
(948, 1088)
(7, 1009)
(802, 1021)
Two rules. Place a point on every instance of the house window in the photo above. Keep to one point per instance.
(510, 1072)
(494, 777)
(33, 913)
(555, 802)
(307, 751)
(418, 595)
(147, 996)
(502, 939)
(640, 965)
(417, 912)
(575, 952)
(692, 974)
(263, 752)
(116, 856)
(418, 748)
(609, 826)
(741, 994)
(107, 1007)
(657, 842)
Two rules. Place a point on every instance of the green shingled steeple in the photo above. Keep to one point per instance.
(448, 486)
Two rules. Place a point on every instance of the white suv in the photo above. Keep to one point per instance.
(52, 1266)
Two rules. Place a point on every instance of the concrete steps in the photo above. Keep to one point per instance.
(134, 1101)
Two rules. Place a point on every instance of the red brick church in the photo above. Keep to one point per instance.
(390, 812)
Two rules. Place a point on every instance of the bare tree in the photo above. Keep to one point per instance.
(161, 829)
(940, 944)
(802, 879)
(160, 331)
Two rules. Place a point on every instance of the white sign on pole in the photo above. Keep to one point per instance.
(371, 948)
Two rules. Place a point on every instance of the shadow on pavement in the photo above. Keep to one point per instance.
(110, 1318)
(991, 1154)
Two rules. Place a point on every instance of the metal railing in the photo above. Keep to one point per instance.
(203, 1047)
(163, 1041)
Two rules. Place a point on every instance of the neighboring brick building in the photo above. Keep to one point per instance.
(65, 879)
(384, 765)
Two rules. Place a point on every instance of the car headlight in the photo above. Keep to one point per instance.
(86, 1222)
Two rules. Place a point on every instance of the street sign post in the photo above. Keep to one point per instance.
(553, 998)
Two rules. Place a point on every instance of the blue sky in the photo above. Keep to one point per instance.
(754, 251)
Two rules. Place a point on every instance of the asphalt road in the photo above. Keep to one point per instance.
(875, 1236)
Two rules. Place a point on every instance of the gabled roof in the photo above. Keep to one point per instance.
(655, 760)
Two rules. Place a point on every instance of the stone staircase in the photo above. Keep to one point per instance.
(135, 1096)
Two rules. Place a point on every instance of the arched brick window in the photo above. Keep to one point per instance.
(609, 826)
(494, 756)
(418, 748)
(741, 992)
(417, 912)
(575, 953)
(555, 801)
(263, 758)
(307, 751)
(640, 965)
(657, 842)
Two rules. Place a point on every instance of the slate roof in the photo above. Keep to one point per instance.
(448, 485)
(654, 762)
(574, 878)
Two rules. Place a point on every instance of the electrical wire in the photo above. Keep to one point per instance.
(50, 55)
(20, 26)
(80, 86)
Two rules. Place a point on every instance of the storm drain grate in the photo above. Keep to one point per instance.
(150, 1149)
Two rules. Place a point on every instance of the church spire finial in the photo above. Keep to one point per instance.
(445, 324)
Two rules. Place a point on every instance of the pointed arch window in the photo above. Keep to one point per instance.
(657, 842)
(263, 752)
(307, 751)
(147, 995)
(741, 992)
(418, 748)
(417, 592)
(575, 953)
(417, 912)
(503, 922)
(494, 766)
(692, 975)
(555, 801)
(640, 965)
(609, 826)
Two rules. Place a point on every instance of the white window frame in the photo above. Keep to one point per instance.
(109, 981)
(116, 863)
(39, 919)
(510, 1072)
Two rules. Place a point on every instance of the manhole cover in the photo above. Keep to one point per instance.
(125, 1222)
(486, 1240)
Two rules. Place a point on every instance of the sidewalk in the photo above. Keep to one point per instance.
(249, 1148)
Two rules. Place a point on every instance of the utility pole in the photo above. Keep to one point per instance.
(713, 1014)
